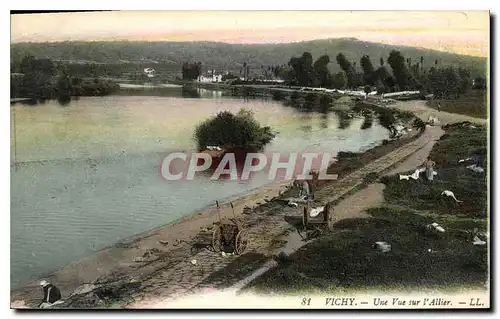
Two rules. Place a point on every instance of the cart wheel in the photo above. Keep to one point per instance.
(217, 239)
(241, 242)
(304, 217)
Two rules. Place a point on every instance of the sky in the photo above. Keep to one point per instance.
(465, 32)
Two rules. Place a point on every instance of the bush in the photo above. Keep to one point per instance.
(240, 131)
(386, 118)
(278, 95)
(418, 124)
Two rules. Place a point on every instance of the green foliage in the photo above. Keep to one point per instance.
(446, 83)
(41, 80)
(240, 131)
(386, 117)
(399, 68)
(348, 69)
(229, 76)
(126, 56)
(369, 75)
(479, 83)
(322, 73)
(465, 80)
(302, 72)
(191, 71)
(345, 261)
(473, 103)
(340, 80)
(459, 142)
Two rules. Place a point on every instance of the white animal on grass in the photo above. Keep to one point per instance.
(463, 160)
(407, 177)
(450, 194)
(476, 168)
(416, 174)
(478, 241)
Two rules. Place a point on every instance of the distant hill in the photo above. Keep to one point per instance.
(223, 56)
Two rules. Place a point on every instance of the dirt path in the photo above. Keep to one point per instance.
(423, 111)
(354, 205)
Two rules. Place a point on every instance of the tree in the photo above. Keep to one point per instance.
(36, 81)
(64, 85)
(381, 74)
(465, 80)
(302, 70)
(367, 89)
(380, 87)
(340, 80)
(191, 71)
(399, 69)
(381, 61)
(240, 131)
(369, 77)
(346, 66)
(445, 83)
(323, 76)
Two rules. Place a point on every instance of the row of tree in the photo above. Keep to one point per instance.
(443, 82)
(41, 79)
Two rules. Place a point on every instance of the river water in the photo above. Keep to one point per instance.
(87, 174)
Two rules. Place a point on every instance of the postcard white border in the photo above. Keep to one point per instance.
(197, 5)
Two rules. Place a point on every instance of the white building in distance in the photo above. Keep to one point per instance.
(210, 78)
(150, 72)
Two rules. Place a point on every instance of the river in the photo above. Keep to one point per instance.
(87, 174)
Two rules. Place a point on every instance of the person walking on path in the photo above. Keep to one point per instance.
(429, 168)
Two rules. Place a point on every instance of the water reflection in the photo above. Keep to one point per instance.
(189, 92)
(345, 119)
(64, 100)
(306, 125)
(368, 122)
(324, 121)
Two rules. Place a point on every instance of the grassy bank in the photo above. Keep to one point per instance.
(345, 260)
(460, 142)
(474, 103)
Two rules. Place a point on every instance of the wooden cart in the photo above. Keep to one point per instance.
(229, 235)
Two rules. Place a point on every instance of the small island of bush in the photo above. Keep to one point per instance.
(233, 132)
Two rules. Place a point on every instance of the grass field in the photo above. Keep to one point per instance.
(345, 260)
(474, 103)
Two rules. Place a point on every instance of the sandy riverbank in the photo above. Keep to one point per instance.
(119, 258)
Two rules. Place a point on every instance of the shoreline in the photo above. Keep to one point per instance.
(69, 277)
(118, 257)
